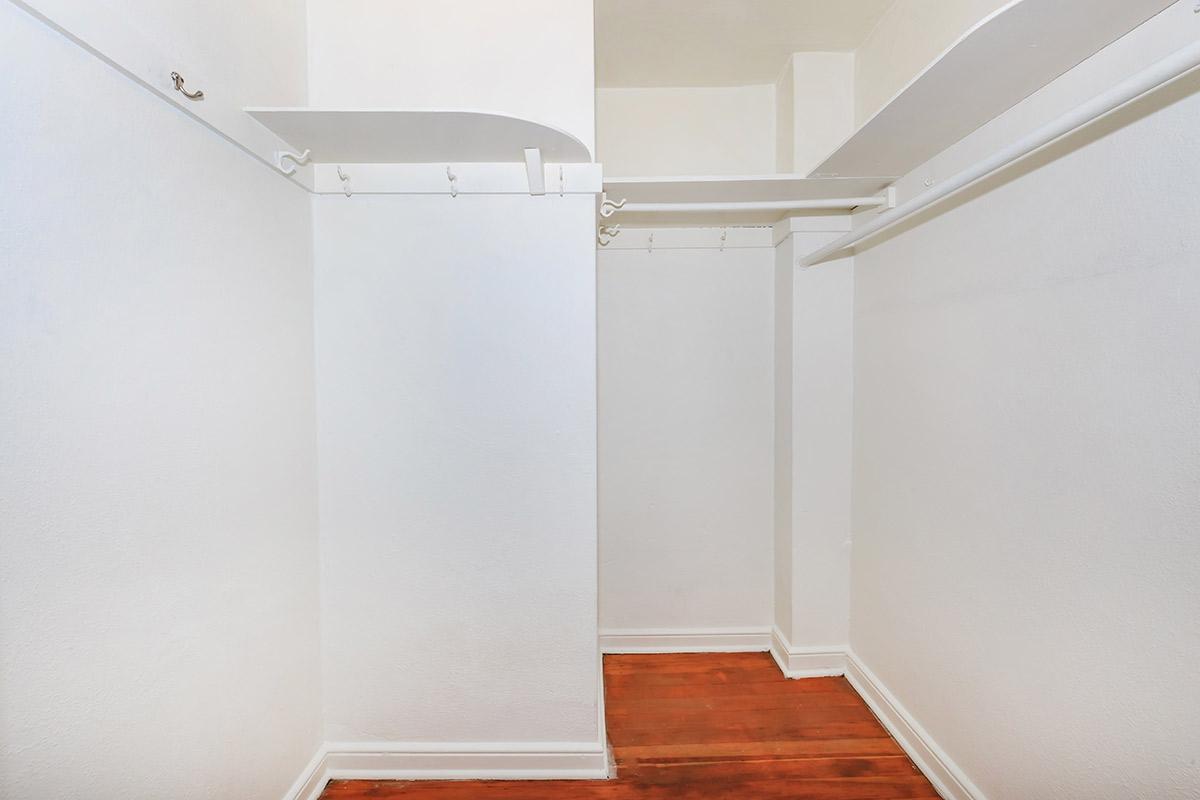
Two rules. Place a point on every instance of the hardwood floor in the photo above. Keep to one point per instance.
(701, 726)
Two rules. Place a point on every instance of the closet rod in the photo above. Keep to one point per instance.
(1159, 74)
(840, 204)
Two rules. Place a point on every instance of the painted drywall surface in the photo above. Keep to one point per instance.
(685, 390)
(457, 438)
(257, 50)
(813, 311)
(158, 563)
(910, 36)
(822, 106)
(1026, 451)
(822, 401)
(785, 119)
(689, 131)
(532, 58)
(785, 261)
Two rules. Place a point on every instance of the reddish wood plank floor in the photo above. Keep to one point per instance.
(701, 726)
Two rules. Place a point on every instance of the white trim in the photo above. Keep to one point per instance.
(471, 760)
(807, 662)
(705, 237)
(450, 761)
(472, 178)
(946, 776)
(685, 640)
(312, 780)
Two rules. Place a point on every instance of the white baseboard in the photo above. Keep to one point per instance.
(552, 760)
(685, 640)
(448, 761)
(807, 662)
(946, 776)
(312, 780)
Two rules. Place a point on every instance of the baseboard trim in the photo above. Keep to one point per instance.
(586, 761)
(685, 640)
(806, 662)
(312, 780)
(946, 776)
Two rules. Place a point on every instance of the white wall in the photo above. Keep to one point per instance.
(456, 396)
(813, 395)
(910, 36)
(1027, 458)
(158, 563)
(685, 378)
(822, 106)
(457, 412)
(711, 131)
(257, 50)
(533, 58)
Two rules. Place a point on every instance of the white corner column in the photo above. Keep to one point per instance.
(813, 439)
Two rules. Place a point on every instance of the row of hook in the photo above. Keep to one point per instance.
(609, 232)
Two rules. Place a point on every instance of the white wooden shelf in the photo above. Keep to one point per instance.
(409, 136)
(739, 188)
(719, 200)
(998, 63)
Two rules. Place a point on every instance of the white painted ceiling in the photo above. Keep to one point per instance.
(720, 42)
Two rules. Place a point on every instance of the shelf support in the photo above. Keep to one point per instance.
(537, 172)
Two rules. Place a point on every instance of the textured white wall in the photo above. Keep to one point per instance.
(813, 384)
(685, 438)
(1027, 455)
(532, 58)
(822, 399)
(711, 131)
(822, 106)
(158, 563)
(782, 316)
(457, 419)
(785, 119)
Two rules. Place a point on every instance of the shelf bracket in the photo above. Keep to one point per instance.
(537, 173)
(889, 200)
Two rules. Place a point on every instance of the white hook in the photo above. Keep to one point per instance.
(345, 179)
(609, 231)
(608, 207)
(296, 158)
(561, 183)
(650, 244)
(724, 236)
(453, 182)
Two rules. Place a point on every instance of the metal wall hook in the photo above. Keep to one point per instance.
(453, 182)
(562, 186)
(608, 207)
(296, 158)
(650, 244)
(724, 236)
(178, 79)
(345, 179)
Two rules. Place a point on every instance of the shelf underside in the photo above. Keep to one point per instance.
(406, 136)
(1006, 58)
(731, 189)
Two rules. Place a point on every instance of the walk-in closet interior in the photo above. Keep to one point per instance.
(599, 399)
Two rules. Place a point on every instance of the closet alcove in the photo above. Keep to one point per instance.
(736, 143)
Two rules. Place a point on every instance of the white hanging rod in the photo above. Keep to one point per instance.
(842, 204)
(1159, 74)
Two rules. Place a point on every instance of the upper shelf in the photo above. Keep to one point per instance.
(997, 64)
(734, 199)
(407, 136)
(739, 188)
